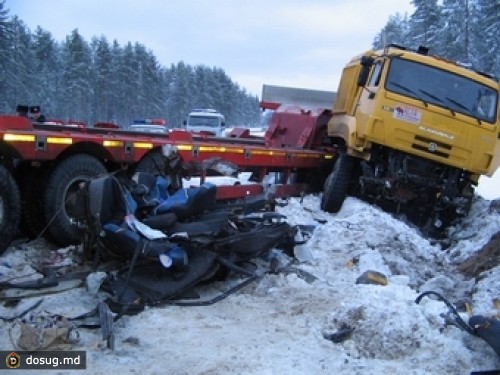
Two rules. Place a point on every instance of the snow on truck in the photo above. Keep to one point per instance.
(414, 132)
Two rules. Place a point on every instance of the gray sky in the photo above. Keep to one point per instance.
(280, 42)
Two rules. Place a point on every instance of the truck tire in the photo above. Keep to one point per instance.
(337, 184)
(10, 208)
(61, 187)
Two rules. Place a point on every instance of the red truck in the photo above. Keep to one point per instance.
(42, 165)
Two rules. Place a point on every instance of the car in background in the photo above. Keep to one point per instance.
(149, 126)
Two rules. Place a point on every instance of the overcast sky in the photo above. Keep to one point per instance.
(281, 42)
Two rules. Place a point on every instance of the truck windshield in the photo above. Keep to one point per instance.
(212, 122)
(435, 86)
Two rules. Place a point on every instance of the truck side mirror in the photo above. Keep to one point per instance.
(184, 122)
(364, 73)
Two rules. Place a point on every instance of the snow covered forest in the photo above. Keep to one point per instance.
(102, 80)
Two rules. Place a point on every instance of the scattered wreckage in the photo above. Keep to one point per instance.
(152, 241)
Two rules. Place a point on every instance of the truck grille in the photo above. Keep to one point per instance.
(431, 146)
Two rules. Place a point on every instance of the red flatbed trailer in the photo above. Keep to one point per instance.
(42, 165)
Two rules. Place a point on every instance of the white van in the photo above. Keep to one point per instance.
(206, 121)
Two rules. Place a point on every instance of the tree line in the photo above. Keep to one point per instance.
(102, 81)
(467, 31)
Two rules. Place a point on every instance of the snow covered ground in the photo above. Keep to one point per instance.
(285, 322)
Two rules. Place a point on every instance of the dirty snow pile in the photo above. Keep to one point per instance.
(284, 322)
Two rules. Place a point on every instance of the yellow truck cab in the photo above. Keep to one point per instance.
(415, 131)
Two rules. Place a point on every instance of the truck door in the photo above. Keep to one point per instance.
(366, 105)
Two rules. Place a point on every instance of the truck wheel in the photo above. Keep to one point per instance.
(59, 196)
(337, 183)
(10, 208)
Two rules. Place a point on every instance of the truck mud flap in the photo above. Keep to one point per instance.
(10, 208)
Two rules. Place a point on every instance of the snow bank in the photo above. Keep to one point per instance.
(311, 318)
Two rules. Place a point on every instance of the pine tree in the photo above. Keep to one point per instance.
(101, 72)
(19, 65)
(77, 81)
(150, 87)
(486, 40)
(47, 67)
(425, 24)
(129, 78)
(180, 93)
(5, 32)
(115, 86)
(454, 35)
(395, 31)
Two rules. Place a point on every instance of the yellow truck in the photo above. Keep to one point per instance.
(414, 134)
